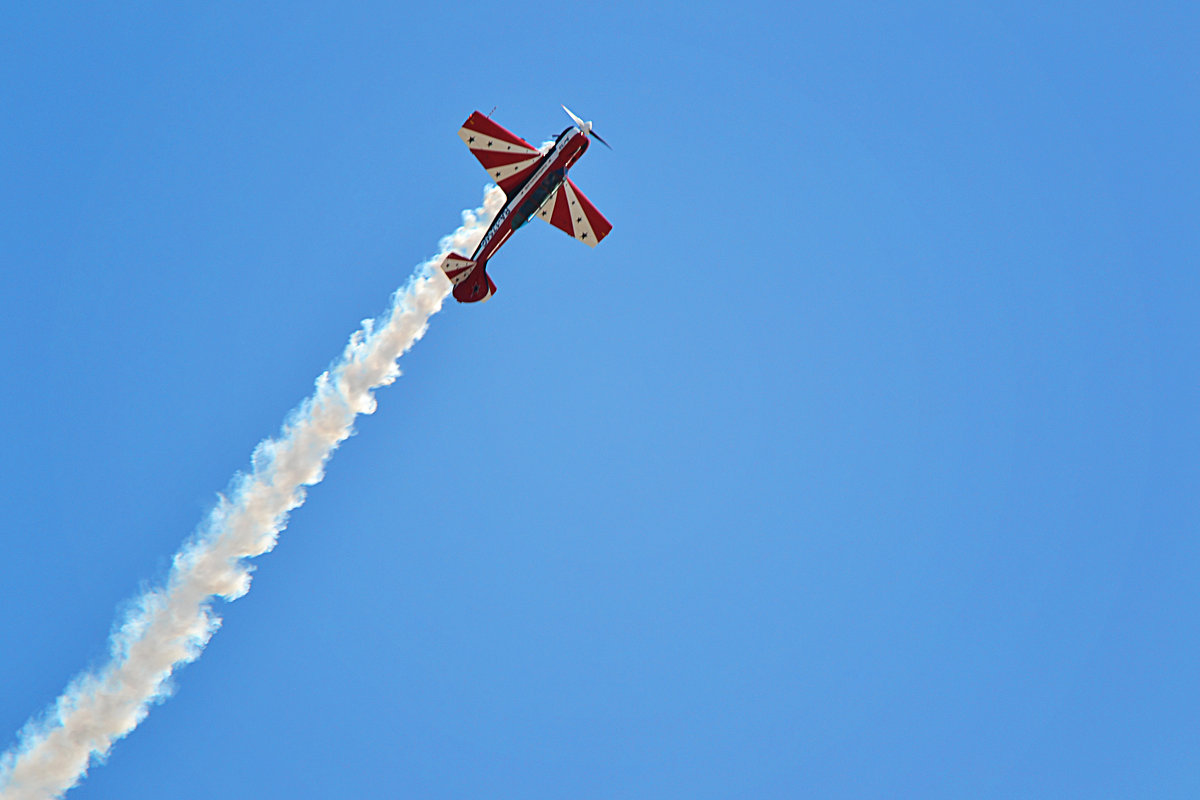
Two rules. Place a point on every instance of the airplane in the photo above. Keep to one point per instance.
(535, 183)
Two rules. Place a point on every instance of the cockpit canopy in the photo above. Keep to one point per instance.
(566, 132)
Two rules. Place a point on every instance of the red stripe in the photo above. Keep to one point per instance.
(561, 218)
(510, 184)
(492, 159)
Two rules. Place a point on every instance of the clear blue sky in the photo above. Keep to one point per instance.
(859, 461)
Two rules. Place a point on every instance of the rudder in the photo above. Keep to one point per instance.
(471, 282)
(477, 288)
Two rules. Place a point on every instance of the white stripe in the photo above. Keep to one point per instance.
(491, 143)
(579, 218)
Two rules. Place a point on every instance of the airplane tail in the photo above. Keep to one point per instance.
(471, 282)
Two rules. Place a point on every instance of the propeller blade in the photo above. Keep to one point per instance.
(582, 125)
(586, 127)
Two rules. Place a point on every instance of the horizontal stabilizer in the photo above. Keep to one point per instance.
(456, 267)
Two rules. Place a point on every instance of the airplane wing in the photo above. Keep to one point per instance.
(508, 158)
(568, 210)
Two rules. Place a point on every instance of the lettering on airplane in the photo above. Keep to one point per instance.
(495, 227)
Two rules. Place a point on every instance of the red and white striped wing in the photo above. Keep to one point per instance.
(508, 158)
(568, 210)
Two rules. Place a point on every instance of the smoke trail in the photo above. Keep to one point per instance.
(169, 626)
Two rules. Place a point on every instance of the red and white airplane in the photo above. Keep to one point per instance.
(535, 183)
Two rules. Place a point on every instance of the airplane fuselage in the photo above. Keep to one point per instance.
(535, 183)
(531, 194)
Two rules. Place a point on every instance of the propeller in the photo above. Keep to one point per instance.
(586, 127)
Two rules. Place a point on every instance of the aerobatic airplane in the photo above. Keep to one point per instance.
(535, 183)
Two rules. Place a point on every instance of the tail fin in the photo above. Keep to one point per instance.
(471, 281)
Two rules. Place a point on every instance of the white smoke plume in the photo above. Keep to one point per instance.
(170, 626)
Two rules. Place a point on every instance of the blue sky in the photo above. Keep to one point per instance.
(859, 460)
